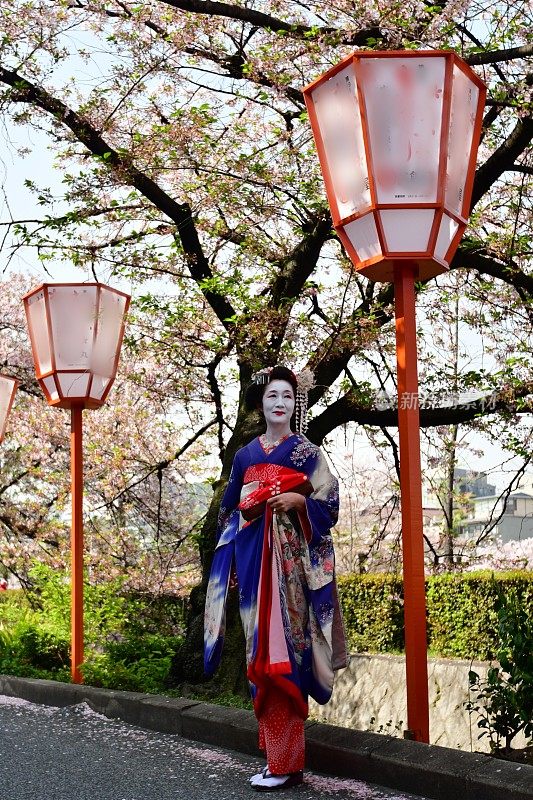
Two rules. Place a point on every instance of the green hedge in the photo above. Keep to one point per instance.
(461, 615)
(373, 612)
(130, 639)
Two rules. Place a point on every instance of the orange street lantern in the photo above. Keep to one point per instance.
(8, 390)
(76, 332)
(397, 135)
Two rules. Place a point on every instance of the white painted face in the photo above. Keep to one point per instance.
(278, 402)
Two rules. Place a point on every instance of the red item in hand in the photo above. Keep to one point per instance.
(285, 480)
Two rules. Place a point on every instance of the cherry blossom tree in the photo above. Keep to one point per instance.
(185, 154)
(135, 475)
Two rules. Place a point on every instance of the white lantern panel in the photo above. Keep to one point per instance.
(339, 119)
(50, 384)
(363, 235)
(108, 333)
(98, 386)
(404, 100)
(447, 230)
(36, 311)
(463, 111)
(73, 315)
(6, 392)
(407, 230)
(73, 384)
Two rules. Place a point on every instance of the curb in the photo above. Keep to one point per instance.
(437, 772)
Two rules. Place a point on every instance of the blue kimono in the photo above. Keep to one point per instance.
(285, 570)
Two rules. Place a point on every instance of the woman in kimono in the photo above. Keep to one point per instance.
(274, 532)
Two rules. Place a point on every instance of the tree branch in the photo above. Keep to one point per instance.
(466, 258)
(217, 399)
(235, 68)
(503, 158)
(350, 409)
(503, 497)
(523, 168)
(495, 56)
(268, 22)
(333, 355)
(161, 465)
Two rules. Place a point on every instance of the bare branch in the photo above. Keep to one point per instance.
(349, 408)
(161, 465)
(332, 356)
(217, 399)
(503, 158)
(467, 258)
(523, 168)
(503, 497)
(495, 56)
(268, 22)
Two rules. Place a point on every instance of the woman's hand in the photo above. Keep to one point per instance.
(288, 501)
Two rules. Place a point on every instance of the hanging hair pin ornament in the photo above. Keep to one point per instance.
(305, 381)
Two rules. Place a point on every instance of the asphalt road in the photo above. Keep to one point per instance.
(72, 753)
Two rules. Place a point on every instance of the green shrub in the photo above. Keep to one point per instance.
(146, 675)
(504, 702)
(13, 605)
(105, 608)
(461, 611)
(29, 651)
(373, 612)
(136, 664)
(461, 616)
(161, 614)
(132, 640)
(129, 639)
(43, 649)
(131, 649)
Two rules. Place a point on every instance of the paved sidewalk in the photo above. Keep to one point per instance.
(73, 752)
(436, 772)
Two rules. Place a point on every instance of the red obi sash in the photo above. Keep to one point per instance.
(273, 480)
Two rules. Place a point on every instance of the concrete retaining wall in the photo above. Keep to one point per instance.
(370, 695)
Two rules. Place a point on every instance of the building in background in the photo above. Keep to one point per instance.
(473, 483)
(509, 518)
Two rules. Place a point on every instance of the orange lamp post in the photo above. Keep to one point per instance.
(397, 135)
(8, 390)
(76, 332)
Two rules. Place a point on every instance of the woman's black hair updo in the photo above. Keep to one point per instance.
(253, 397)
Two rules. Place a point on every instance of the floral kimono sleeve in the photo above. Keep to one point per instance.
(325, 618)
(323, 503)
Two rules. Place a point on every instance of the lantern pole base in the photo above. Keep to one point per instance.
(411, 504)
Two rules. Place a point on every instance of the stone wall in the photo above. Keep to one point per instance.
(370, 695)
